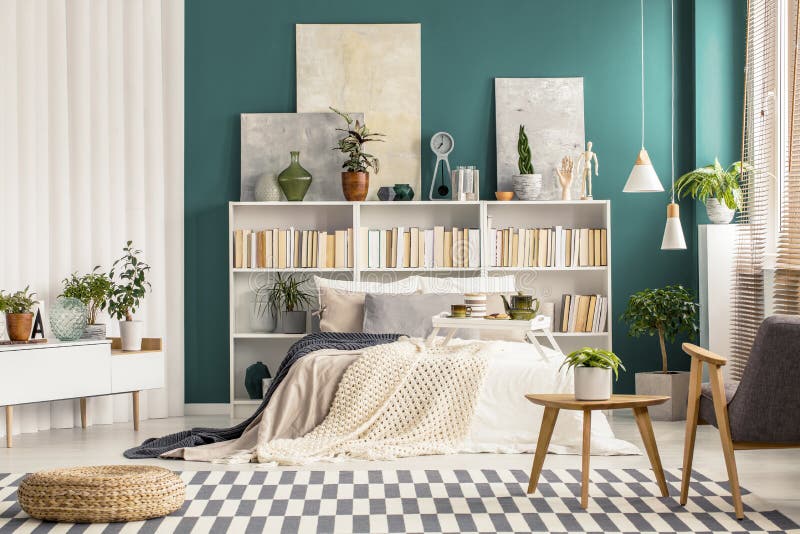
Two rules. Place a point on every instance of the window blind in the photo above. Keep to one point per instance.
(787, 273)
(759, 153)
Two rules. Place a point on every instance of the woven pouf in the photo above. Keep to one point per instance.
(101, 494)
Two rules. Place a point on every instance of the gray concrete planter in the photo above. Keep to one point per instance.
(94, 331)
(293, 322)
(675, 384)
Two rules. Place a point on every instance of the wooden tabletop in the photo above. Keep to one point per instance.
(566, 401)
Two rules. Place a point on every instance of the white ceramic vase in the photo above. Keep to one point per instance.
(718, 212)
(527, 186)
(130, 333)
(592, 383)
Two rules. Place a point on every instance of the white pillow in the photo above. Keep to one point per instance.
(476, 284)
(405, 286)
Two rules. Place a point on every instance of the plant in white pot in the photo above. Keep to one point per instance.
(665, 312)
(94, 290)
(593, 368)
(127, 294)
(716, 187)
(527, 184)
(288, 297)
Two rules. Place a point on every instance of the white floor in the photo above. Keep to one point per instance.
(774, 476)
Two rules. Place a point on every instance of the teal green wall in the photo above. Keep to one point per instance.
(240, 58)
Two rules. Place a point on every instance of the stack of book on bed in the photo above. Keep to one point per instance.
(548, 247)
(437, 247)
(292, 249)
(583, 313)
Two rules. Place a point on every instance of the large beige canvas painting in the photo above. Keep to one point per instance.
(374, 68)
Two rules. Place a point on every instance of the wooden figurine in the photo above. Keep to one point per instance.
(587, 158)
(565, 177)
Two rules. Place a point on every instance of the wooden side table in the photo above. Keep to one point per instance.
(566, 401)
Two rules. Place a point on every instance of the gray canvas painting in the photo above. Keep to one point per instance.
(267, 139)
(552, 111)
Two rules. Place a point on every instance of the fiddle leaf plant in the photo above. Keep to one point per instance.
(132, 286)
(287, 294)
(22, 301)
(353, 145)
(93, 289)
(665, 312)
(524, 163)
(589, 357)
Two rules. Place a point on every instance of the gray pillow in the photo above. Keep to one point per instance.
(406, 314)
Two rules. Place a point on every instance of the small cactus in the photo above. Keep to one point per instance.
(525, 164)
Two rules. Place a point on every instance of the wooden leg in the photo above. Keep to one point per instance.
(545, 433)
(649, 440)
(83, 412)
(692, 412)
(135, 395)
(721, 412)
(587, 447)
(9, 425)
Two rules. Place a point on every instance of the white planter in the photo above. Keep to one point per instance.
(527, 186)
(718, 212)
(592, 383)
(130, 333)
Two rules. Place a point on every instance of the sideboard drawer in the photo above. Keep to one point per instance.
(134, 371)
(53, 373)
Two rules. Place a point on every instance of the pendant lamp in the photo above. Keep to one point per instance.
(673, 231)
(643, 177)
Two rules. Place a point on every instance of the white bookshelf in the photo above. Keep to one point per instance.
(546, 283)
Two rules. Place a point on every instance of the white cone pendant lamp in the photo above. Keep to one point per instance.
(643, 177)
(673, 231)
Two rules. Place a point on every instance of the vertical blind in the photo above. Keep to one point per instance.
(787, 273)
(759, 152)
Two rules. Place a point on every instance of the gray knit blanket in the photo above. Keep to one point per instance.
(154, 447)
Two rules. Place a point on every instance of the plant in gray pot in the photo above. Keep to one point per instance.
(127, 294)
(288, 297)
(593, 368)
(665, 312)
(263, 314)
(716, 187)
(527, 184)
(94, 290)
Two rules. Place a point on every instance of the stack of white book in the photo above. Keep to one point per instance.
(547, 247)
(583, 313)
(417, 248)
(292, 249)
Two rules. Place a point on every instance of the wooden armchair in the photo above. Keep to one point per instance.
(760, 412)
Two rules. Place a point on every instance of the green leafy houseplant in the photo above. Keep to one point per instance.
(127, 293)
(17, 303)
(287, 295)
(93, 289)
(589, 357)
(524, 163)
(713, 181)
(667, 312)
(353, 145)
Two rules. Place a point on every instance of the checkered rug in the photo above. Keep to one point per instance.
(429, 501)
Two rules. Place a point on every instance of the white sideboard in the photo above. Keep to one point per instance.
(77, 370)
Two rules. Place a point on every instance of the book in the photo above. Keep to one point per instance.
(573, 312)
(406, 241)
(565, 303)
(398, 234)
(543, 243)
(455, 252)
(282, 248)
(474, 239)
(314, 248)
(464, 247)
(603, 246)
(330, 250)
(591, 308)
(304, 259)
(448, 249)
(393, 252)
(421, 250)
(374, 249)
(438, 246)
(568, 247)
(584, 248)
(275, 242)
(582, 313)
(322, 253)
(383, 255)
(238, 243)
(429, 249)
(340, 258)
(413, 253)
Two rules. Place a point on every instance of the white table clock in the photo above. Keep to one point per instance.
(442, 144)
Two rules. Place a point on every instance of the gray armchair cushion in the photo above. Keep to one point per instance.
(707, 402)
(405, 314)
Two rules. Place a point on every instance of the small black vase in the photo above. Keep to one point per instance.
(253, 380)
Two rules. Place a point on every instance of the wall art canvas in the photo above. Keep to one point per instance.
(375, 68)
(552, 111)
(267, 139)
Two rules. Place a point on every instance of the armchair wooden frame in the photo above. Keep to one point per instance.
(715, 363)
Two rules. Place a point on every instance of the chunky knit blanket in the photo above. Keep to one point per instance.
(399, 399)
(154, 447)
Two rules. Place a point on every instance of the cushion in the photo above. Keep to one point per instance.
(476, 284)
(403, 286)
(707, 413)
(340, 311)
(405, 314)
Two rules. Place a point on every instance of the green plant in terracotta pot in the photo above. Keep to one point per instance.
(126, 296)
(664, 312)
(18, 309)
(94, 290)
(355, 178)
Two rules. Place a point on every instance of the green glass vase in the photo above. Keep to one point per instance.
(294, 179)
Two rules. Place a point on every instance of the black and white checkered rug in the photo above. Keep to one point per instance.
(429, 501)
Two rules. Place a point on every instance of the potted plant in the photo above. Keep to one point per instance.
(665, 312)
(126, 295)
(716, 187)
(263, 315)
(527, 185)
(355, 178)
(593, 369)
(93, 289)
(287, 296)
(18, 309)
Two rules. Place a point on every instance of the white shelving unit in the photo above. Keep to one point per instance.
(546, 283)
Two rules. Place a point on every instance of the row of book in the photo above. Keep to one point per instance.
(583, 313)
(414, 247)
(548, 247)
(291, 248)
